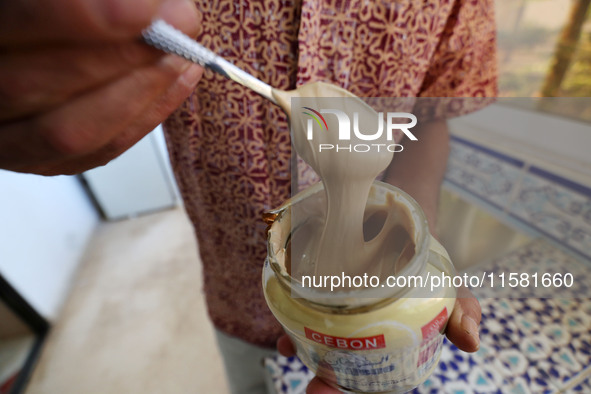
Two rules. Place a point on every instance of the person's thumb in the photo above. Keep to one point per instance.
(462, 328)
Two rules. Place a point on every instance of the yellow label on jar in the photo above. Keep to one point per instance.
(392, 348)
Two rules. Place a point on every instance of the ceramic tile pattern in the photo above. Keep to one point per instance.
(582, 386)
(288, 375)
(557, 207)
(537, 265)
(489, 175)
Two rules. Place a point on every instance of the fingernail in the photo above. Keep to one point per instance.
(176, 63)
(469, 325)
(191, 76)
(168, 8)
(182, 14)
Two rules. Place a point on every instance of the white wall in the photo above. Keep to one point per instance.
(137, 182)
(160, 141)
(45, 224)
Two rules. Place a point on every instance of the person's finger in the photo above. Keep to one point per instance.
(317, 386)
(38, 79)
(88, 123)
(27, 22)
(161, 108)
(116, 104)
(155, 113)
(462, 328)
(285, 347)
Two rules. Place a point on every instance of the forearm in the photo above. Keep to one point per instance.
(420, 167)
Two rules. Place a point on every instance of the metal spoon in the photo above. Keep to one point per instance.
(163, 36)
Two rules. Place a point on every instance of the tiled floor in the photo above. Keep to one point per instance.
(135, 320)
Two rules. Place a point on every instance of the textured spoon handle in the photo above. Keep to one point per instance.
(168, 39)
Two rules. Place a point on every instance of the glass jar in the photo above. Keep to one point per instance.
(382, 339)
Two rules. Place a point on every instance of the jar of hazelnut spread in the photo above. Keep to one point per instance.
(382, 334)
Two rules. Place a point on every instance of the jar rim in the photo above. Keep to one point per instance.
(352, 300)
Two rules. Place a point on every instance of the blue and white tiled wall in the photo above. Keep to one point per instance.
(550, 204)
(526, 348)
(528, 344)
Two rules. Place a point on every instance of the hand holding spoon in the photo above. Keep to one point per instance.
(168, 39)
(347, 175)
